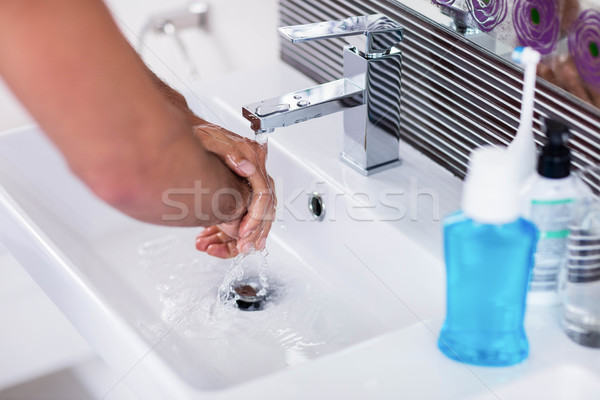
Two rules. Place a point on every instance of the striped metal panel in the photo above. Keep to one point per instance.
(455, 94)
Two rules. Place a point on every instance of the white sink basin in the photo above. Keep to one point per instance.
(360, 283)
(164, 291)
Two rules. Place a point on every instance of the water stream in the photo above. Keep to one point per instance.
(300, 321)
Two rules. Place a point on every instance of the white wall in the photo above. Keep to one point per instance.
(241, 35)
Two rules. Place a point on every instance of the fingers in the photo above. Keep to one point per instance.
(209, 231)
(260, 209)
(219, 237)
(262, 205)
(239, 165)
(218, 143)
(257, 240)
(216, 243)
(231, 228)
(223, 250)
(261, 242)
(242, 155)
(247, 159)
(256, 224)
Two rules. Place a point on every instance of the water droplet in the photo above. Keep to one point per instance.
(303, 103)
(157, 247)
(297, 96)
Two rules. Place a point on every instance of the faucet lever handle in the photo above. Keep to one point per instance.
(370, 34)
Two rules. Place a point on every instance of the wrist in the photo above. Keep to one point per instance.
(193, 119)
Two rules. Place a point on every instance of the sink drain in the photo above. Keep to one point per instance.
(316, 206)
(248, 297)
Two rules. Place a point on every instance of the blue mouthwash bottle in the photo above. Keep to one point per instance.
(489, 256)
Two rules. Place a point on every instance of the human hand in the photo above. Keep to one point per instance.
(218, 243)
(247, 159)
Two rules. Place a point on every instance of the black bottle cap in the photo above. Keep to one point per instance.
(555, 160)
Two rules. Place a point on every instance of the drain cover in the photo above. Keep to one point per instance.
(249, 299)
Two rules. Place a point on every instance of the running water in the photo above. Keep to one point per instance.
(262, 274)
(262, 138)
(226, 294)
(248, 267)
(303, 317)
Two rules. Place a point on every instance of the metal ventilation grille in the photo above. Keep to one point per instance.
(455, 95)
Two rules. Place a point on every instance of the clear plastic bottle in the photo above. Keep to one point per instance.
(489, 255)
(549, 202)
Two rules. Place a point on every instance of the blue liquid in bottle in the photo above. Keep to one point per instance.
(488, 268)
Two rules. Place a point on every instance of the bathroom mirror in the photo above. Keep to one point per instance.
(565, 32)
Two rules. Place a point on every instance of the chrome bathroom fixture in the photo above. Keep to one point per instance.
(459, 89)
(372, 67)
(172, 22)
(316, 206)
(463, 20)
(249, 296)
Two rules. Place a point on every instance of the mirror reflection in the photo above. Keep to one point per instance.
(565, 32)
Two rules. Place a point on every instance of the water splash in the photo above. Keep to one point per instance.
(262, 274)
(226, 294)
(249, 266)
(302, 320)
(157, 247)
(262, 138)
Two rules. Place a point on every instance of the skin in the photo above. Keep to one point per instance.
(569, 10)
(228, 239)
(123, 132)
(561, 71)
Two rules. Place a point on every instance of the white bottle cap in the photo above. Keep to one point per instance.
(491, 188)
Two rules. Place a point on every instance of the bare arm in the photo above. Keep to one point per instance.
(247, 159)
(176, 99)
(69, 65)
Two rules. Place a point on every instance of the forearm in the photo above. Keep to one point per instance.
(180, 191)
(175, 98)
(69, 65)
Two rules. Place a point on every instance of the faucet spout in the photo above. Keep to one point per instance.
(300, 106)
(372, 71)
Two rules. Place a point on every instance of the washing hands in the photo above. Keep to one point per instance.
(247, 159)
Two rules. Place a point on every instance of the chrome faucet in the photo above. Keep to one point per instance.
(372, 66)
